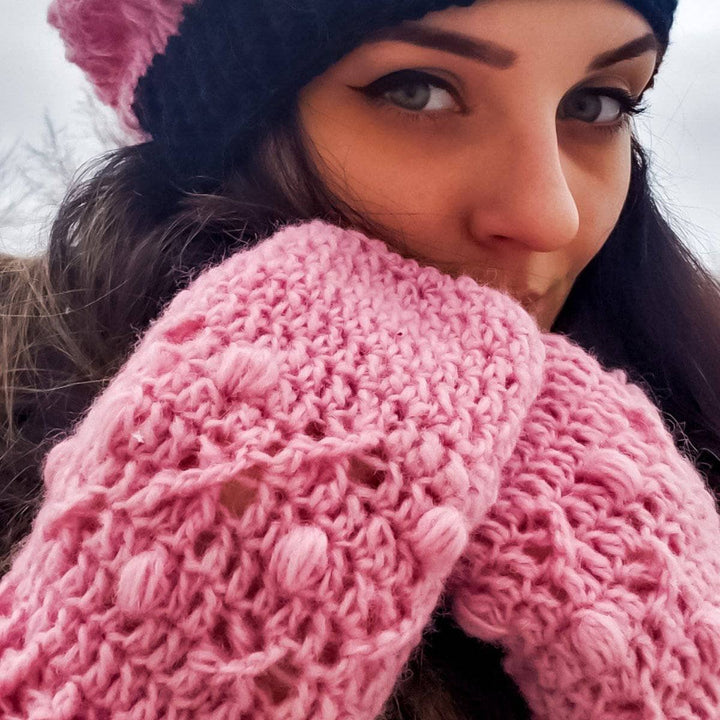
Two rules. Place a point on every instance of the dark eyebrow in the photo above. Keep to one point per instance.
(416, 34)
(495, 55)
(630, 50)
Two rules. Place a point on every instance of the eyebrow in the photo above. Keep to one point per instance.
(490, 53)
(630, 50)
(481, 50)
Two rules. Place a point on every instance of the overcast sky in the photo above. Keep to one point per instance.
(682, 127)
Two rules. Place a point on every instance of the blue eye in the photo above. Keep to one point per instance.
(601, 106)
(413, 90)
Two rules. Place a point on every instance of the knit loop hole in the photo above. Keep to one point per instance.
(238, 494)
(363, 472)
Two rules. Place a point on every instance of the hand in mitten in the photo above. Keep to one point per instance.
(361, 404)
(598, 568)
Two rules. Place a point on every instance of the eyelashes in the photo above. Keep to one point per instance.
(411, 91)
(418, 94)
(589, 100)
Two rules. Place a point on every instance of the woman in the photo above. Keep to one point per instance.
(293, 435)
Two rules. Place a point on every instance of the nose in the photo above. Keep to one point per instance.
(524, 196)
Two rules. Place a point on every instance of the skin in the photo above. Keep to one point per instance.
(501, 173)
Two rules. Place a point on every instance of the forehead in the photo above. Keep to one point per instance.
(588, 35)
(604, 20)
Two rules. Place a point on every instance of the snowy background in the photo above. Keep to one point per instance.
(50, 125)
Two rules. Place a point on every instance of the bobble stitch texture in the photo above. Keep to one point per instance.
(256, 519)
(598, 568)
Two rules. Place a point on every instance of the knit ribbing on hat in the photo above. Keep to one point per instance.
(197, 104)
(234, 67)
(200, 77)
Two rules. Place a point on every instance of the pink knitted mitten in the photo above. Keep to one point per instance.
(367, 404)
(598, 569)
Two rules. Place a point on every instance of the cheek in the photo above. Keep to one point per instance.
(394, 181)
(600, 194)
(370, 173)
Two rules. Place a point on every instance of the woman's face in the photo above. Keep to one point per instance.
(491, 141)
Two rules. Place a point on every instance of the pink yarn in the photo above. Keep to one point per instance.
(598, 568)
(402, 434)
(115, 42)
(370, 403)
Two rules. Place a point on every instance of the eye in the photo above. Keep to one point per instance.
(413, 90)
(600, 106)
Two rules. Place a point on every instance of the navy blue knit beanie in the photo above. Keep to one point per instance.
(235, 65)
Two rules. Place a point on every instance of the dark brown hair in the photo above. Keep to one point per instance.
(128, 237)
